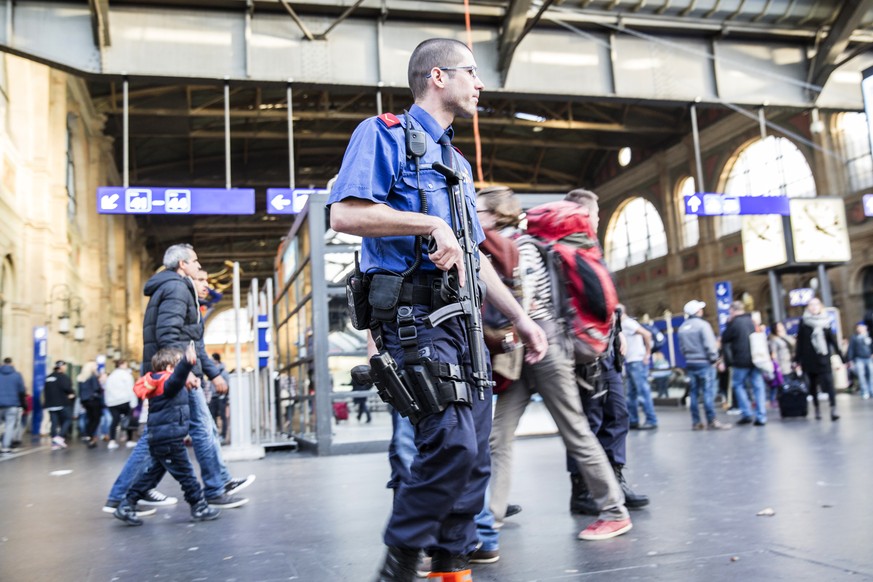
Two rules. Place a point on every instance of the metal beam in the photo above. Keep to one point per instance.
(343, 138)
(210, 43)
(274, 114)
(100, 22)
(512, 36)
(849, 18)
(511, 32)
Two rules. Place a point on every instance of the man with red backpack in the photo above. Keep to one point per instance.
(607, 413)
(552, 377)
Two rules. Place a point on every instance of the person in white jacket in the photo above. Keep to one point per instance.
(120, 400)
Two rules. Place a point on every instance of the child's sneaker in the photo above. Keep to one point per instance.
(127, 513)
(112, 445)
(202, 512)
(130, 444)
(604, 530)
(110, 507)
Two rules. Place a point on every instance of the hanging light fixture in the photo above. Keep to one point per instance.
(79, 332)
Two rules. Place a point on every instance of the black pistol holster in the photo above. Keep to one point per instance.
(422, 387)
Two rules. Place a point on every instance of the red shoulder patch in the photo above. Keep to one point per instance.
(389, 119)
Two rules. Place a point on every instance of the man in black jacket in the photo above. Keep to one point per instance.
(58, 398)
(172, 319)
(738, 355)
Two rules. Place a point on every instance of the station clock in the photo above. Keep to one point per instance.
(763, 242)
(819, 231)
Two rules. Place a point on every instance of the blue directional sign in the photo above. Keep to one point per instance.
(867, 201)
(289, 200)
(800, 297)
(183, 201)
(709, 204)
(724, 295)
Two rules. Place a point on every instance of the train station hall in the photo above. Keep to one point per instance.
(454, 290)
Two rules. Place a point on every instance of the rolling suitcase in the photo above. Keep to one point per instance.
(793, 397)
(341, 411)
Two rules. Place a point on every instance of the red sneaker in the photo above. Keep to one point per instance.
(603, 530)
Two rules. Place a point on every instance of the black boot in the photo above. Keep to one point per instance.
(580, 498)
(399, 565)
(631, 500)
(444, 562)
(201, 511)
(127, 513)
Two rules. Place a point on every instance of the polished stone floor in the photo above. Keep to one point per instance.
(320, 519)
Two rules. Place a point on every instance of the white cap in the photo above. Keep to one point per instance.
(693, 306)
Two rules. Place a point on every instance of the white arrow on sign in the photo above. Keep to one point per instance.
(109, 202)
(693, 204)
(280, 202)
(868, 204)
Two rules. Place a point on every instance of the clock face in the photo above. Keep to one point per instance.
(763, 242)
(819, 231)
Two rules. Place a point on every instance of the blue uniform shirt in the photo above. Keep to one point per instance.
(375, 168)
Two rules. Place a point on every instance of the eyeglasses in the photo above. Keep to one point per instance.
(473, 70)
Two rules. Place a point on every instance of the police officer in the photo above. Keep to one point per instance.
(377, 196)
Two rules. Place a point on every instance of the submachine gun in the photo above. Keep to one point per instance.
(463, 301)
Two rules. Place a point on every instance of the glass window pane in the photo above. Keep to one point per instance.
(635, 235)
(769, 167)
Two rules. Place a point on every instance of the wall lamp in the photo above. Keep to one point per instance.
(69, 304)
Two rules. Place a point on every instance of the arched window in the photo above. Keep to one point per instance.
(769, 167)
(690, 230)
(635, 235)
(854, 139)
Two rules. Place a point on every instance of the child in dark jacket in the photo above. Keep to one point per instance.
(168, 426)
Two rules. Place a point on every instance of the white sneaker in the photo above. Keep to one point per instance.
(155, 497)
(130, 444)
(112, 445)
(59, 441)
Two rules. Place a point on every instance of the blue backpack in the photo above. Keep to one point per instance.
(659, 340)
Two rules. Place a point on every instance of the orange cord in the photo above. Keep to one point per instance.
(476, 138)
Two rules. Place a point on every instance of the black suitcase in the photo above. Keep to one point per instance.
(793, 397)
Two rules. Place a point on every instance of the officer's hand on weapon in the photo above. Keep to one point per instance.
(448, 252)
(535, 341)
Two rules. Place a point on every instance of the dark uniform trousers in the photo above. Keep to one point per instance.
(607, 416)
(434, 509)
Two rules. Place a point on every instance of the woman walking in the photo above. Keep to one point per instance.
(815, 344)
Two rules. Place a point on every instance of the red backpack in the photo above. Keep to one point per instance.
(583, 287)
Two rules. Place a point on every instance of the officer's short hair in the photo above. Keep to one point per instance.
(502, 202)
(434, 52)
(7, 361)
(176, 254)
(738, 306)
(165, 358)
(582, 197)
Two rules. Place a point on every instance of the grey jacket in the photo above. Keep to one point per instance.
(697, 341)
